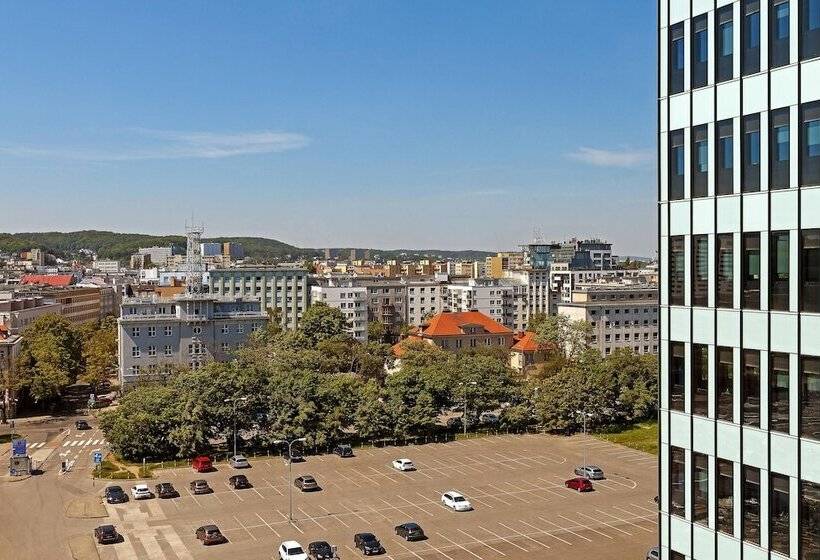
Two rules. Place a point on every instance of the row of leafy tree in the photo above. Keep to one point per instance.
(320, 384)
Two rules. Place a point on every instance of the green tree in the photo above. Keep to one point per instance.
(50, 357)
(321, 322)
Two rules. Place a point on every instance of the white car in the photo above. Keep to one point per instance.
(404, 465)
(239, 462)
(455, 501)
(140, 492)
(292, 550)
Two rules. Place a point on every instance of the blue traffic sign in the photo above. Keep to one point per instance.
(18, 447)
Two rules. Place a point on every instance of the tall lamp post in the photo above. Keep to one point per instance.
(234, 400)
(584, 414)
(290, 471)
(465, 385)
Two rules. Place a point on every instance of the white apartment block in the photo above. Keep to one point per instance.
(739, 245)
(350, 300)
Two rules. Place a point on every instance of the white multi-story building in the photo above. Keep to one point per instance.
(350, 300)
(739, 214)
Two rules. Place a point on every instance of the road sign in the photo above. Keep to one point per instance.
(97, 456)
(18, 447)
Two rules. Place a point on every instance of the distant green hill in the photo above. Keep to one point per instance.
(120, 246)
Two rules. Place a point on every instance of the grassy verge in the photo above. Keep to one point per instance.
(643, 437)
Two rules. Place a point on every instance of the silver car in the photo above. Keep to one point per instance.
(590, 471)
(239, 462)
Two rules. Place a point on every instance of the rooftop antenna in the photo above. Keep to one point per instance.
(193, 258)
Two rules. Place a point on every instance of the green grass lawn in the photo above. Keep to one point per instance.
(643, 437)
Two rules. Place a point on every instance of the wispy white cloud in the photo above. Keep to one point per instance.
(147, 144)
(612, 158)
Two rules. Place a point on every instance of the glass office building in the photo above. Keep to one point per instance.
(739, 245)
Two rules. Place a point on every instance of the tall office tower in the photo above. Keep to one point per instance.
(739, 216)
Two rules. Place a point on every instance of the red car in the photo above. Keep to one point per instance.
(581, 484)
(202, 463)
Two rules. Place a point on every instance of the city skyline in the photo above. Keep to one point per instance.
(402, 130)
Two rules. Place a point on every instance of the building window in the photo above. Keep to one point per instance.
(700, 488)
(677, 376)
(751, 388)
(677, 277)
(676, 59)
(779, 534)
(779, 154)
(810, 397)
(700, 270)
(676, 165)
(750, 56)
(779, 392)
(810, 140)
(677, 482)
(810, 271)
(779, 270)
(724, 292)
(725, 44)
(751, 270)
(779, 34)
(724, 390)
(725, 496)
(700, 161)
(725, 157)
(751, 153)
(809, 520)
(809, 29)
(751, 504)
(700, 379)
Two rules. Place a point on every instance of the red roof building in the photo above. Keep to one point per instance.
(56, 280)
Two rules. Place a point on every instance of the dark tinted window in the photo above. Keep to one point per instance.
(779, 508)
(810, 397)
(779, 270)
(677, 165)
(725, 386)
(677, 376)
(751, 388)
(700, 52)
(725, 270)
(779, 34)
(724, 47)
(700, 161)
(676, 58)
(750, 55)
(751, 504)
(810, 143)
(809, 29)
(779, 392)
(677, 482)
(810, 270)
(700, 379)
(700, 488)
(700, 270)
(725, 157)
(779, 154)
(751, 270)
(677, 276)
(751, 153)
(725, 497)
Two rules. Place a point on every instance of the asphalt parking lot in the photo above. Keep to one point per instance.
(515, 483)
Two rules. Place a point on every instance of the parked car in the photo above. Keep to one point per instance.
(83, 425)
(166, 490)
(292, 550)
(343, 450)
(367, 543)
(653, 553)
(203, 463)
(306, 483)
(141, 492)
(321, 550)
(404, 465)
(410, 532)
(200, 487)
(455, 501)
(590, 471)
(488, 418)
(239, 482)
(239, 462)
(115, 495)
(579, 483)
(106, 534)
(210, 534)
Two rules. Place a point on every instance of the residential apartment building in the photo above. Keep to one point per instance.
(621, 315)
(739, 215)
(156, 334)
(350, 300)
(283, 287)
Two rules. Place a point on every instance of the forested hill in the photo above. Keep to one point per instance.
(119, 246)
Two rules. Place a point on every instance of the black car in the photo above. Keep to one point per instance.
(239, 482)
(320, 550)
(166, 490)
(410, 532)
(368, 543)
(82, 425)
(106, 534)
(343, 450)
(115, 495)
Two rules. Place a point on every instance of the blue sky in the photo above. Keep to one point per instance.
(379, 124)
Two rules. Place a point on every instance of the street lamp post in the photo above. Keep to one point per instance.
(585, 415)
(473, 383)
(233, 401)
(290, 471)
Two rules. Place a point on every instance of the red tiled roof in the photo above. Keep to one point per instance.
(57, 280)
(526, 342)
(452, 324)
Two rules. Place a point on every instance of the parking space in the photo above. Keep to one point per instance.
(515, 483)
